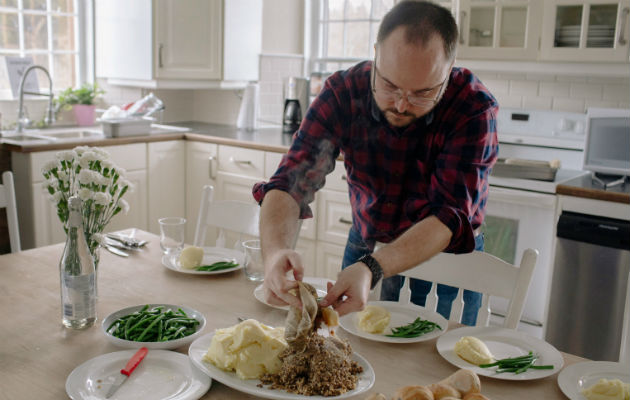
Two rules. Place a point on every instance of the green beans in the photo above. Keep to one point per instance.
(517, 365)
(217, 266)
(417, 328)
(153, 325)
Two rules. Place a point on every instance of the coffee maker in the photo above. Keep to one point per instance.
(296, 102)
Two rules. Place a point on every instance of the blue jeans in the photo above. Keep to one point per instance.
(356, 247)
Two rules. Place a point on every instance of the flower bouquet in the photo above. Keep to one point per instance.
(88, 173)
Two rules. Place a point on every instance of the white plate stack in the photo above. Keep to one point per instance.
(597, 36)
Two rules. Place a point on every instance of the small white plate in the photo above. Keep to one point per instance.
(171, 344)
(583, 375)
(317, 283)
(161, 375)
(502, 343)
(401, 314)
(210, 256)
(199, 348)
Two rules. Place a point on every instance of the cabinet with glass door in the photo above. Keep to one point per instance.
(498, 29)
(594, 30)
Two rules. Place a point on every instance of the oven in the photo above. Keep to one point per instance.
(521, 212)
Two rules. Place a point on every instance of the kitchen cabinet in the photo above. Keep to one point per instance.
(166, 188)
(201, 170)
(499, 29)
(39, 224)
(594, 30)
(174, 44)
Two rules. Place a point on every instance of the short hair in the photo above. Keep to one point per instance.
(422, 19)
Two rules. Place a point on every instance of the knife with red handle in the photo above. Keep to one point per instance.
(125, 372)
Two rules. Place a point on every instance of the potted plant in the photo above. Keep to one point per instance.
(81, 101)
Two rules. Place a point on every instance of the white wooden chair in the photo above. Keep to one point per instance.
(226, 215)
(478, 271)
(7, 200)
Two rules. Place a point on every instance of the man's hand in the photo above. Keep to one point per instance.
(276, 285)
(350, 292)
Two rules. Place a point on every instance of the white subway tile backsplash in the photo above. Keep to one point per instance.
(506, 100)
(554, 89)
(497, 85)
(537, 103)
(601, 103)
(511, 75)
(585, 91)
(273, 69)
(568, 104)
(523, 88)
(619, 93)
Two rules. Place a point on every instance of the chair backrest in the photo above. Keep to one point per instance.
(231, 215)
(478, 271)
(7, 200)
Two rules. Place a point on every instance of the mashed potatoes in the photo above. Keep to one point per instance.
(250, 349)
(473, 350)
(608, 389)
(374, 319)
(191, 257)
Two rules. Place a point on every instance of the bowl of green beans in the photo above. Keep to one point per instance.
(154, 326)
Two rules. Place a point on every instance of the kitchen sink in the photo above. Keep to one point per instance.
(45, 136)
(82, 134)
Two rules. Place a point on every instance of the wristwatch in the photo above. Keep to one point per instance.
(374, 267)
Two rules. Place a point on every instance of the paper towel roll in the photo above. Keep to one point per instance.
(249, 108)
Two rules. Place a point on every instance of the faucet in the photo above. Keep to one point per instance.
(50, 114)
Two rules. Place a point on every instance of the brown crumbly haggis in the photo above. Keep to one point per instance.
(324, 368)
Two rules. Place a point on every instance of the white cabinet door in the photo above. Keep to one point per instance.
(241, 161)
(593, 30)
(166, 183)
(188, 39)
(308, 251)
(335, 217)
(499, 29)
(201, 165)
(235, 187)
(329, 258)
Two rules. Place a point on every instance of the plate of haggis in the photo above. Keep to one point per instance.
(500, 353)
(204, 261)
(290, 362)
(393, 322)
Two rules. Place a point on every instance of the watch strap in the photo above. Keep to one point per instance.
(374, 267)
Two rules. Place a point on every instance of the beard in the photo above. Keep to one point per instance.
(399, 120)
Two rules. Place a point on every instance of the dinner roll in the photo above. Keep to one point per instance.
(413, 393)
(376, 396)
(475, 396)
(442, 390)
(464, 380)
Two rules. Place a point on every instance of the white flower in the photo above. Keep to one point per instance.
(86, 158)
(52, 182)
(85, 194)
(63, 176)
(107, 164)
(102, 198)
(67, 155)
(49, 166)
(81, 149)
(124, 205)
(101, 179)
(86, 177)
(122, 182)
(56, 197)
(102, 154)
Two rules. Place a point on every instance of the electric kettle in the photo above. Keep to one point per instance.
(295, 103)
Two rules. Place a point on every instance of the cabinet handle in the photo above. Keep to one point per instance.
(160, 48)
(241, 162)
(624, 14)
(345, 221)
(461, 27)
(343, 178)
(211, 161)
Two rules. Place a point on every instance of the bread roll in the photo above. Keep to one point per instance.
(413, 393)
(475, 396)
(464, 380)
(442, 390)
(376, 396)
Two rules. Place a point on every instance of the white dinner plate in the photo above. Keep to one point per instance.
(161, 375)
(583, 375)
(317, 283)
(199, 348)
(210, 256)
(401, 314)
(502, 343)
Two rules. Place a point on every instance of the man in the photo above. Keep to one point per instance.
(418, 139)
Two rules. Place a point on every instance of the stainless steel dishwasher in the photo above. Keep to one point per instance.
(589, 286)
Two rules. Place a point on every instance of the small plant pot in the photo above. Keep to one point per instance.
(84, 114)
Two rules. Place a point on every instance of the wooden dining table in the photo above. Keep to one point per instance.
(37, 353)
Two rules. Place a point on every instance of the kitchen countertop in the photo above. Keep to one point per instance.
(585, 187)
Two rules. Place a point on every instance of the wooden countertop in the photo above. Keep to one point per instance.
(38, 354)
(266, 139)
(585, 187)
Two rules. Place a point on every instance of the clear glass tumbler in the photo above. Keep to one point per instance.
(172, 231)
(254, 267)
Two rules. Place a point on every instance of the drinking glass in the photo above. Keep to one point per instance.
(172, 234)
(254, 267)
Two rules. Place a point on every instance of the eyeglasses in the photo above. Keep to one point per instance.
(394, 95)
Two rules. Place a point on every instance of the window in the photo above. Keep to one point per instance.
(52, 32)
